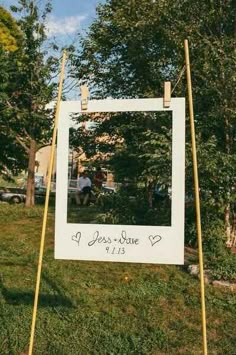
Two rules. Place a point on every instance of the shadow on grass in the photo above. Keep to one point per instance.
(18, 297)
(13, 263)
(5, 323)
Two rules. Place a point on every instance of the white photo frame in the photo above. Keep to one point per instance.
(122, 243)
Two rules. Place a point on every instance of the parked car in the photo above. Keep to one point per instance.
(12, 194)
(39, 180)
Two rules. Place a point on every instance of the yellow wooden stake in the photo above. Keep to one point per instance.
(84, 97)
(167, 94)
(197, 200)
(46, 205)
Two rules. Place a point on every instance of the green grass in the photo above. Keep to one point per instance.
(83, 214)
(101, 308)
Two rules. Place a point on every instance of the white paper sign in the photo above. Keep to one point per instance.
(122, 243)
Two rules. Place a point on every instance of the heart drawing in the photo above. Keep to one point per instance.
(76, 238)
(154, 239)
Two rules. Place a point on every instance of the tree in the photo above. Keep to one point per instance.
(28, 88)
(10, 36)
(12, 157)
(134, 46)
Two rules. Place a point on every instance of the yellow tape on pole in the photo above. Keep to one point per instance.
(46, 205)
(197, 200)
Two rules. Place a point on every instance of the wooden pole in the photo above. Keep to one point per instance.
(40, 260)
(197, 200)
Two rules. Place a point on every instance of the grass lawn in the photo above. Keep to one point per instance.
(95, 214)
(101, 308)
(83, 214)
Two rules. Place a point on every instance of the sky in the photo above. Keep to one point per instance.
(68, 17)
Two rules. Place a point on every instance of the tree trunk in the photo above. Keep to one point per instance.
(30, 179)
(233, 232)
(227, 212)
(227, 224)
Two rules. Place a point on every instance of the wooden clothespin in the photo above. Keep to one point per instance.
(84, 97)
(167, 94)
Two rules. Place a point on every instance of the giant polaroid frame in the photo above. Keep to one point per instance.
(122, 243)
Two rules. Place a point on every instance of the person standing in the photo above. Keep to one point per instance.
(98, 178)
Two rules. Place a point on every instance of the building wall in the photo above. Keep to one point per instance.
(43, 161)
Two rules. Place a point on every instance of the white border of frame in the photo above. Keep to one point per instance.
(122, 243)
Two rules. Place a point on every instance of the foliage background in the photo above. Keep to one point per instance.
(134, 46)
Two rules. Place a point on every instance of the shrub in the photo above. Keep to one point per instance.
(134, 209)
(223, 268)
